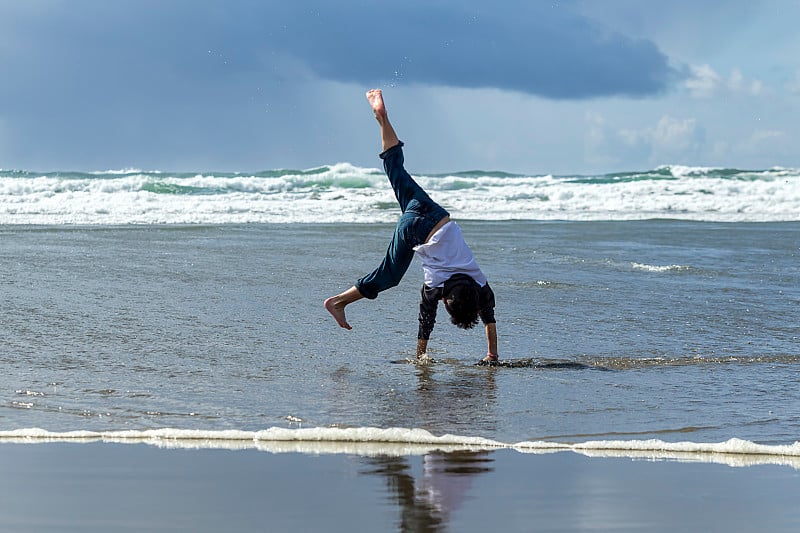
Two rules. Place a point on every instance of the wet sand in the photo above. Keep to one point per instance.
(100, 486)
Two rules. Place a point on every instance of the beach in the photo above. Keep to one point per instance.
(218, 314)
(137, 487)
(185, 376)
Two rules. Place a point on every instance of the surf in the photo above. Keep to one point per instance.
(346, 193)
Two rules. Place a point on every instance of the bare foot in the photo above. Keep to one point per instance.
(375, 98)
(337, 310)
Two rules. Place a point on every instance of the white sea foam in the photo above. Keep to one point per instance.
(405, 441)
(662, 268)
(345, 193)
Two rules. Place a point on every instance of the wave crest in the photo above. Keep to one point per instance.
(346, 193)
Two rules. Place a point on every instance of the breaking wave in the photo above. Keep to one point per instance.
(346, 193)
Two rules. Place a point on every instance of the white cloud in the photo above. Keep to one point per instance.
(674, 134)
(675, 140)
(705, 83)
(670, 141)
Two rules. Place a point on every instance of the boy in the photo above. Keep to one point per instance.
(451, 272)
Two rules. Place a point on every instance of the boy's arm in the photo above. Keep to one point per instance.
(486, 299)
(422, 347)
(491, 339)
(429, 301)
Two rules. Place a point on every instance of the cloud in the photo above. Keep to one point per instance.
(674, 137)
(607, 146)
(95, 84)
(249, 84)
(670, 141)
(704, 82)
(531, 47)
(536, 48)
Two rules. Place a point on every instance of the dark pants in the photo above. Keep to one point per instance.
(420, 215)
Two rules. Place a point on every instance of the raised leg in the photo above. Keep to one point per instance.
(388, 135)
(336, 304)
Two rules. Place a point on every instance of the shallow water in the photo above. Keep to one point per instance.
(681, 331)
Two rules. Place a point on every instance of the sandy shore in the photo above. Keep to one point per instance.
(100, 486)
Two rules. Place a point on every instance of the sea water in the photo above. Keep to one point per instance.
(659, 311)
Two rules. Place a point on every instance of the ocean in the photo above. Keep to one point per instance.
(659, 311)
(143, 300)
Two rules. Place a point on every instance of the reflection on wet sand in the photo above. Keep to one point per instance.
(427, 501)
(443, 479)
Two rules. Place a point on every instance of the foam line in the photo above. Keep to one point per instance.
(404, 441)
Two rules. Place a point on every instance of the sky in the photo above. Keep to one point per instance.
(527, 86)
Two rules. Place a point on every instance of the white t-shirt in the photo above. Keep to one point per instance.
(445, 254)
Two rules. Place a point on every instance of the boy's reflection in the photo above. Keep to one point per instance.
(458, 404)
(461, 403)
(426, 503)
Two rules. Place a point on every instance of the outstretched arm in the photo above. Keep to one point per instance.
(388, 135)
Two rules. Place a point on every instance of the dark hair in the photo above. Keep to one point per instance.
(462, 304)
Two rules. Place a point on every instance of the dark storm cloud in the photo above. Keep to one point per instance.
(89, 83)
(531, 47)
(539, 48)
